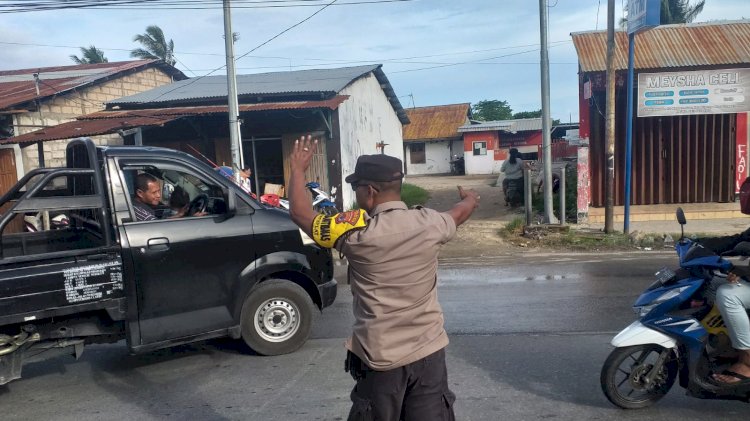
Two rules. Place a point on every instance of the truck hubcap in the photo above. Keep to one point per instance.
(276, 320)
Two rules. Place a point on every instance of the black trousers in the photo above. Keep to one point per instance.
(415, 392)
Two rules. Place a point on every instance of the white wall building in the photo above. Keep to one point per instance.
(432, 140)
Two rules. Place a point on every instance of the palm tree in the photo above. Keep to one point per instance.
(680, 11)
(155, 46)
(676, 11)
(89, 55)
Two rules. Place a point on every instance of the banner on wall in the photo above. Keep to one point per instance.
(695, 92)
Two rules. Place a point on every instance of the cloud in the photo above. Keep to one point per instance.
(448, 31)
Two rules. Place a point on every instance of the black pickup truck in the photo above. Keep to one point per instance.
(229, 267)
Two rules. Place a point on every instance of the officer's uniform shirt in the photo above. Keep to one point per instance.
(393, 275)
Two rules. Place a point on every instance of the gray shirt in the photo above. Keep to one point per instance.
(512, 171)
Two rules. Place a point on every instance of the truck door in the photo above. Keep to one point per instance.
(185, 267)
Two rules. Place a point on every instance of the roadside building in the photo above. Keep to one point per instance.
(486, 144)
(39, 98)
(432, 140)
(352, 110)
(690, 136)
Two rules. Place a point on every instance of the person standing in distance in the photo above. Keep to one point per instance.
(396, 352)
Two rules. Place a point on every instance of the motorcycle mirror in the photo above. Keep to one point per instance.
(681, 219)
(681, 216)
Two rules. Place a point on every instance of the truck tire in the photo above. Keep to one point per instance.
(276, 317)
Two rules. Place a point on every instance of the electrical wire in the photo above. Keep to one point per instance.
(35, 6)
(192, 81)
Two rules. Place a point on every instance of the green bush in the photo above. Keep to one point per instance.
(571, 197)
(413, 195)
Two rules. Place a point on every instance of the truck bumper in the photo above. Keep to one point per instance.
(328, 292)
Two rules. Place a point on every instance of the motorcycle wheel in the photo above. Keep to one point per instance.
(624, 372)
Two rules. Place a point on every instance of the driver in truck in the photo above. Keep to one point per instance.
(148, 196)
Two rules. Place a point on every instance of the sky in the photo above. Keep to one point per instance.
(434, 52)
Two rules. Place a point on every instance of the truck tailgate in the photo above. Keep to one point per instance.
(59, 286)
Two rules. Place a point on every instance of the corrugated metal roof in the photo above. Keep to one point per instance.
(17, 87)
(78, 128)
(106, 122)
(669, 46)
(436, 122)
(302, 82)
(513, 126)
(326, 81)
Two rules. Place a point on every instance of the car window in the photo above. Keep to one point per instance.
(169, 191)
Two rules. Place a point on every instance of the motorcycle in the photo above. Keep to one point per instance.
(322, 202)
(680, 333)
(457, 165)
(33, 222)
(513, 189)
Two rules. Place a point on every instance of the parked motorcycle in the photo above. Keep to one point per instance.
(513, 190)
(322, 202)
(33, 222)
(680, 334)
(457, 165)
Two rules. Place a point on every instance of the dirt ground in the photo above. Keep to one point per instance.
(480, 235)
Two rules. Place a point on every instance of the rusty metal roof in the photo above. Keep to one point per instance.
(669, 46)
(17, 87)
(107, 122)
(436, 122)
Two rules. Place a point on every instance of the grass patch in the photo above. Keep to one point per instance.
(579, 241)
(512, 228)
(413, 195)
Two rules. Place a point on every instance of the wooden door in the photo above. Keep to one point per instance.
(318, 170)
(8, 179)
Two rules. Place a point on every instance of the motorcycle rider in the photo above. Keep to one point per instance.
(513, 169)
(733, 299)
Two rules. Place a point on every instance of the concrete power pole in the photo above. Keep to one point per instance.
(235, 140)
(609, 185)
(549, 216)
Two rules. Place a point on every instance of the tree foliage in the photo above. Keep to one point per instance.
(676, 11)
(527, 114)
(89, 55)
(491, 110)
(680, 11)
(155, 46)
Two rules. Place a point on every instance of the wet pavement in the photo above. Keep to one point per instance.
(528, 338)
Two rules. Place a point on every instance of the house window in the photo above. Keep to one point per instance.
(417, 155)
(480, 148)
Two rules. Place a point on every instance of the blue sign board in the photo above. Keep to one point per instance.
(643, 14)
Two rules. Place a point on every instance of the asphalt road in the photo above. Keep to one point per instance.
(528, 339)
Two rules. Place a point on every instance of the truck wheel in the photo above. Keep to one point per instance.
(276, 317)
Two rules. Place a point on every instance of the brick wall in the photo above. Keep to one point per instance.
(68, 106)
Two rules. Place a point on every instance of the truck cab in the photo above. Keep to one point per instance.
(220, 265)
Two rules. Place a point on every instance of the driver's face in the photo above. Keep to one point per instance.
(152, 195)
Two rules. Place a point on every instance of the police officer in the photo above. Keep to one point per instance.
(396, 352)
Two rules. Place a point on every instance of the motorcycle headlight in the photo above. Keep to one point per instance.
(668, 295)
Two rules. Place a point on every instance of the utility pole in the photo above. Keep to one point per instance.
(609, 184)
(549, 216)
(235, 140)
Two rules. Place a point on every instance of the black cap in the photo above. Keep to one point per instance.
(376, 168)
